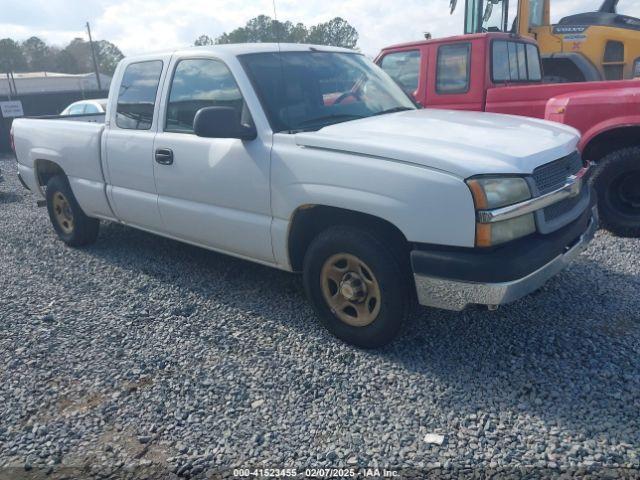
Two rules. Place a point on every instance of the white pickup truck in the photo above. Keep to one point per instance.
(311, 159)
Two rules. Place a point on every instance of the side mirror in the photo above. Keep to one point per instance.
(222, 122)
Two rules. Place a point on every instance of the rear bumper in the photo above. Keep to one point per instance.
(484, 278)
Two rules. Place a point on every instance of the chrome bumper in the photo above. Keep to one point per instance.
(456, 295)
(572, 188)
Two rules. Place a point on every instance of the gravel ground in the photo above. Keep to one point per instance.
(141, 356)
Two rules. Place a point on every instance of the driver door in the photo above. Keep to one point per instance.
(212, 192)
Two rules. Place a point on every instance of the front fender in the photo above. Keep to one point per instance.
(595, 111)
(426, 205)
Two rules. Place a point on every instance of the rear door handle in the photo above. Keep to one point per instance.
(164, 156)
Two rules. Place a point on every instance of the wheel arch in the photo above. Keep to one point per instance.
(604, 139)
(45, 170)
(308, 221)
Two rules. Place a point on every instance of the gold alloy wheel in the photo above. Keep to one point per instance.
(62, 213)
(350, 289)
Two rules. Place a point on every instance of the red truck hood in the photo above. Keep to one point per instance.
(461, 143)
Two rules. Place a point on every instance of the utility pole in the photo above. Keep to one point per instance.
(10, 87)
(93, 56)
(13, 89)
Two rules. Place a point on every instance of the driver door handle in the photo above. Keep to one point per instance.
(164, 156)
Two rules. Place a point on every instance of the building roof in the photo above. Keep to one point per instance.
(47, 82)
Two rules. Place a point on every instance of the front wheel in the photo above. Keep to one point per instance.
(617, 182)
(69, 221)
(358, 287)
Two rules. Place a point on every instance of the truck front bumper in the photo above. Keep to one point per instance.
(452, 279)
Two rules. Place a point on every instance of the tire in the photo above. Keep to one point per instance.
(369, 271)
(69, 221)
(617, 183)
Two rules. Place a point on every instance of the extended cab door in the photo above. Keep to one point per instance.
(128, 146)
(212, 192)
(456, 77)
(407, 67)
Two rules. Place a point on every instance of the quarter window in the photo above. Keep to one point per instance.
(453, 68)
(515, 62)
(533, 63)
(90, 108)
(137, 96)
(200, 83)
(77, 109)
(404, 68)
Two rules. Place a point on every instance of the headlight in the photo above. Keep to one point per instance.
(491, 234)
(495, 192)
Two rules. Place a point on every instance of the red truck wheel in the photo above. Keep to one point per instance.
(617, 181)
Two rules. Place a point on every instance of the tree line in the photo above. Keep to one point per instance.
(34, 55)
(336, 32)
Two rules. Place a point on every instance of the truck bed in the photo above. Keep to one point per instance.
(75, 146)
(90, 117)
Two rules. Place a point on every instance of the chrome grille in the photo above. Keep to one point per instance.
(553, 175)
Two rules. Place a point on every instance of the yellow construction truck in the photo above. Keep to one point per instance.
(591, 46)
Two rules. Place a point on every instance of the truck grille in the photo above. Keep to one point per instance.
(562, 208)
(553, 176)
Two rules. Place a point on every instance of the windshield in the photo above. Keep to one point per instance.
(309, 90)
(493, 17)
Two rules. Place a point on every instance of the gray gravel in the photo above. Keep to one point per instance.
(141, 356)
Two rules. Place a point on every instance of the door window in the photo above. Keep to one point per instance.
(453, 71)
(137, 96)
(201, 83)
(404, 68)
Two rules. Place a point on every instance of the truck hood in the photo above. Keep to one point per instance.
(461, 143)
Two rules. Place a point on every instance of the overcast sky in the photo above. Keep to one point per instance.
(146, 25)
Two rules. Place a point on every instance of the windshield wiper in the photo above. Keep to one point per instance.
(344, 117)
(394, 110)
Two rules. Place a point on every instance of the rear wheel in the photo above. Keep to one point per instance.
(358, 287)
(69, 221)
(617, 181)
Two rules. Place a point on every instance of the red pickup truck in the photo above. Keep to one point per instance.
(502, 73)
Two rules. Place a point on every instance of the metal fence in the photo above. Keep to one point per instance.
(37, 104)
